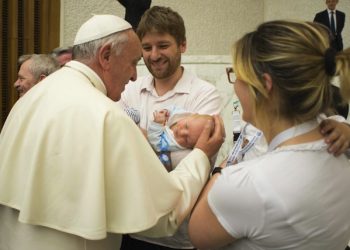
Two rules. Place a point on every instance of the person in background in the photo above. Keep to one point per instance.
(134, 10)
(32, 69)
(334, 20)
(75, 170)
(62, 55)
(294, 196)
(163, 39)
(339, 106)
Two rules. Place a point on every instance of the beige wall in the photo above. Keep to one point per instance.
(212, 25)
(305, 10)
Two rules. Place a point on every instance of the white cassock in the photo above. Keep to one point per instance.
(76, 172)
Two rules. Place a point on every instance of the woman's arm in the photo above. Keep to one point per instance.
(204, 229)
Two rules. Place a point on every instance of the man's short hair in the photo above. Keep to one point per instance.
(61, 50)
(162, 20)
(42, 64)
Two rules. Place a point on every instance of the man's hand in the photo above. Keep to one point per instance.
(337, 136)
(212, 137)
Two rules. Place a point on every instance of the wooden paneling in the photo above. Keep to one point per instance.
(49, 30)
(53, 33)
(12, 52)
(8, 45)
(27, 26)
(2, 101)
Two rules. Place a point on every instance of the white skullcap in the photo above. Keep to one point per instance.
(100, 26)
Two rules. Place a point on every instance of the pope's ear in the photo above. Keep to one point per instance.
(104, 55)
(268, 82)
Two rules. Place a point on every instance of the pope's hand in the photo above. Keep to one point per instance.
(212, 136)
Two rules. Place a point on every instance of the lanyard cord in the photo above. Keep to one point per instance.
(237, 150)
(292, 132)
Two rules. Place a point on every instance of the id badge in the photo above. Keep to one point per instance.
(236, 124)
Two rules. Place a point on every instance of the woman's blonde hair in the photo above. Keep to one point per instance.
(293, 53)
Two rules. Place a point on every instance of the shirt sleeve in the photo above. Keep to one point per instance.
(208, 101)
(191, 174)
(236, 203)
(154, 132)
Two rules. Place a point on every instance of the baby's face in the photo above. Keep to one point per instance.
(187, 130)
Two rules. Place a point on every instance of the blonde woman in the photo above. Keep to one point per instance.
(292, 197)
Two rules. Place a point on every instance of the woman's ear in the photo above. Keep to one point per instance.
(268, 82)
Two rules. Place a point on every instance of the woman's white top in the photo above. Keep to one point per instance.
(294, 197)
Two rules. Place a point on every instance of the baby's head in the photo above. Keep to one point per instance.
(188, 129)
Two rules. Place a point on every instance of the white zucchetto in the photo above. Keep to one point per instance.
(100, 26)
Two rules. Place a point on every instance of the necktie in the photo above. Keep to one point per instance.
(333, 23)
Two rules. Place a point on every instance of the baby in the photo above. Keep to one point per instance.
(174, 129)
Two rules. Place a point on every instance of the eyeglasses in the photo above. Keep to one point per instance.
(231, 75)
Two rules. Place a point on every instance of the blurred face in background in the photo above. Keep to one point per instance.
(331, 4)
(26, 79)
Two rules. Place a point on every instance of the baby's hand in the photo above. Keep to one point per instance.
(337, 136)
(161, 116)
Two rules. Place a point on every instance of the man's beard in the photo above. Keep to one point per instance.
(172, 66)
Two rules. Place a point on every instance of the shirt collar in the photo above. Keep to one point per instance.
(91, 75)
(183, 86)
(329, 11)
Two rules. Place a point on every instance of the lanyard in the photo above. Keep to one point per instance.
(292, 132)
(237, 151)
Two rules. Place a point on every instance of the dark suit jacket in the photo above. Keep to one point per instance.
(134, 9)
(323, 18)
(339, 106)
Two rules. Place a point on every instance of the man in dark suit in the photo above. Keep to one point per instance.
(334, 20)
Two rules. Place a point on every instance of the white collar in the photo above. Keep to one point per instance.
(91, 75)
(182, 85)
